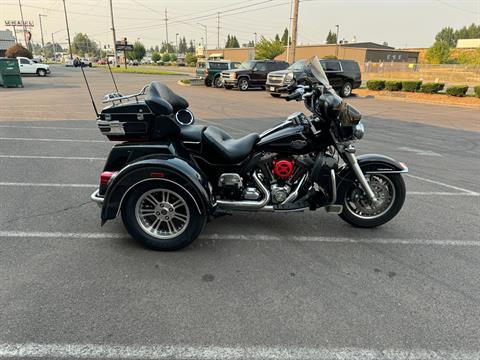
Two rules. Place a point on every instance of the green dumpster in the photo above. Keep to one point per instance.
(10, 73)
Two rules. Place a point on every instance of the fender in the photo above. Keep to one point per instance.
(161, 169)
(374, 164)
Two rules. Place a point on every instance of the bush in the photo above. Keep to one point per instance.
(376, 85)
(18, 50)
(190, 59)
(411, 86)
(156, 56)
(431, 88)
(166, 57)
(477, 90)
(393, 85)
(457, 90)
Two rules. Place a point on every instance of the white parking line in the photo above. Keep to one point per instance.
(191, 352)
(442, 184)
(440, 193)
(50, 157)
(54, 140)
(419, 151)
(251, 237)
(48, 185)
(45, 127)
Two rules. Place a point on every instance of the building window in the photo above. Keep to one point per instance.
(388, 57)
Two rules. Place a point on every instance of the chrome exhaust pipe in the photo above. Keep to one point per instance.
(247, 204)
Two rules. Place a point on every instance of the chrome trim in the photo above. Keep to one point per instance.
(126, 97)
(114, 127)
(293, 195)
(360, 176)
(334, 186)
(191, 120)
(96, 198)
(170, 181)
(387, 171)
(247, 204)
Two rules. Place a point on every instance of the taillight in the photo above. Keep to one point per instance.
(105, 177)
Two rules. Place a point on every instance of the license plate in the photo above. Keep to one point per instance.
(272, 88)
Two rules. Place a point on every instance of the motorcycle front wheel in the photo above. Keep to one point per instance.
(162, 217)
(359, 211)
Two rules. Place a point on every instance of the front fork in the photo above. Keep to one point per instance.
(349, 153)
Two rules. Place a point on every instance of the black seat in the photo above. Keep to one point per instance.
(226, 149)
(163, 101)
(192, 133)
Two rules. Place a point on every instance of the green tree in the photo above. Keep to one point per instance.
(167, 48)
(173, 57)
(156, 56)
(228, 42)
(232, 42)
(82, 45)
(18, 50)
(166, 57)
(48, 51)
(191, 47)
(331, 37)
(447, 35)
(268, 49)
(182, 46)
(138, 51)
(190, 58)
(285, 37)
(439, 53)
(277, 38)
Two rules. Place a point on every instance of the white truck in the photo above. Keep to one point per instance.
(28, 66)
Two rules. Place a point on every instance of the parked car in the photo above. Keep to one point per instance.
(200, 69)
(28, 66)
(252, 73)
(213, 69)
(343, 75)
(83, 62)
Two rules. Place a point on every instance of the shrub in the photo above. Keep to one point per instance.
(477, 90)
(457, 90)
(156, 56)
(393, 85)
(18, 50)
(166, 57)
(431, 88)
(190, 59)
(411, 86)
(376, 85)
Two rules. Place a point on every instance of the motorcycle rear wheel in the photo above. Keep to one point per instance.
(358, 209)
(162, 216)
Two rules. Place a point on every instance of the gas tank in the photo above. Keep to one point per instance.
(288, 137)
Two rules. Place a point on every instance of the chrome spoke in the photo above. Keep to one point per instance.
(152, 199)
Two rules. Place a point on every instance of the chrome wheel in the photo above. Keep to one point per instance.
(243, 84)
(162, 213)
(218, 82)
(358, 203)
(347, 90)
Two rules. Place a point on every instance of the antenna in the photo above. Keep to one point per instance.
(111, 73)
(88, 87)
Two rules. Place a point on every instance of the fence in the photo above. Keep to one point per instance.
(451, 73)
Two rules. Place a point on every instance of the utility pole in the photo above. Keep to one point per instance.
(68, 30)
(294, 28)
(53, 47)
(41, 30)
(336, 48)
(289, 30)
(218, 30)
(176, 43)
(114, 37)
(23, 24)
(255, 43)
(166, 28)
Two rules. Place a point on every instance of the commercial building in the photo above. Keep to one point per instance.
(468, 43)
(361, 52)
(7, 39)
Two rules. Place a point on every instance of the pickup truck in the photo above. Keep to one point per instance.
(27, 66)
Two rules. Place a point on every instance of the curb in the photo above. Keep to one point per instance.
(193, 82)
(394, 98)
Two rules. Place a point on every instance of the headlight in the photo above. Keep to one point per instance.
(288, 77)
(233, 76)
(358, 131)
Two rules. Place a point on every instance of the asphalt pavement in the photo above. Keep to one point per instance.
(254, 286)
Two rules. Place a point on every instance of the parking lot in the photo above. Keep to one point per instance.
(254, 286)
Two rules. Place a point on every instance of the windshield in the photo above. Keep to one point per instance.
(247, 65)
(314, 68)
(298, 66)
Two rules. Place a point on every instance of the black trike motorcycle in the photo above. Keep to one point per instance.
(168, 176)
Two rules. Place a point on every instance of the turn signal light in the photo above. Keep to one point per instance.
(105, 177)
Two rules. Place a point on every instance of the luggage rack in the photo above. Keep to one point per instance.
(117, 97)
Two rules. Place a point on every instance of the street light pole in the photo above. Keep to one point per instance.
(41, 31)
(206, 40)
(255, 43)
(68, 30)
(176, 42)
(294, 28)
(336, 48)
(114, 37)
(23, 24)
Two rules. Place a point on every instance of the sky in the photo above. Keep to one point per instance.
(400, 23)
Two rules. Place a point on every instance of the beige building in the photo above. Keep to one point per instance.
(360, 52)
(468, 43)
